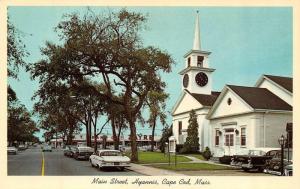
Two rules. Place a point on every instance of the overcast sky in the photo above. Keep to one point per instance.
(245, 42)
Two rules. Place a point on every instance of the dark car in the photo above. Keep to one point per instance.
(273, 166)
(256, 159)
(83, 152)
(68, 150)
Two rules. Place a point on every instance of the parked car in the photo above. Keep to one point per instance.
(109, 158)
(273, 166)
(69, 150)
(46, 148)
(288, 170)
(12, 150)
(255, 159)
(22, 147)
(83, 152)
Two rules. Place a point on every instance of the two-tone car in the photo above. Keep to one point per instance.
(82, 152)
(255, 159)
(109, 158)
(273, 166)
(12, 150)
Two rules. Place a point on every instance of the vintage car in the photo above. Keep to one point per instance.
(22, 147)
(69, 150)
(288, 170)
(255, 159)
(12, 150)
(46, 148)
(109, 158)
(273, 166)
(82, 152)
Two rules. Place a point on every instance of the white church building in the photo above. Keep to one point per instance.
(236, 119)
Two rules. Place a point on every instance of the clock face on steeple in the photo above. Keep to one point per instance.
(185, 80)
(201, 79)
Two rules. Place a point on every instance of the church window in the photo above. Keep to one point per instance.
(189, 61)
(229, 139)
(243, 136)
(180, 127)
(229, 101)
(200, 61)
(217, 138)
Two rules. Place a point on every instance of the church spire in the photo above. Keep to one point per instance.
(197, 45)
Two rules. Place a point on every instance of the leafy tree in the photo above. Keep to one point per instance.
(16, 51)
(156, 102)
(107, 49)
(191, 144)
(20, 126)
(166, 133)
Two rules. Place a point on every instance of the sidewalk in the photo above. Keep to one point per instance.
(151, 171)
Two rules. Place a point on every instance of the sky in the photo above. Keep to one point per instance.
(244, 42)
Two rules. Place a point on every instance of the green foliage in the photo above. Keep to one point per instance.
(20, 125)
(107, 49)
(206, 153)
(16, 51)
(191, 144)
(166, 133)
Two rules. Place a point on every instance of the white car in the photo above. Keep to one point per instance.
(109, 158)
(12, 150)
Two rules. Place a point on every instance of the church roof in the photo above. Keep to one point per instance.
(205, 100)
(285, 82)
(260, 98)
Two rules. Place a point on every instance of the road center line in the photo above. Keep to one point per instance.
(43, 164)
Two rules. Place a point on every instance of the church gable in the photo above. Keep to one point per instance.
(280, 86)
(228, 103)
(185, 104)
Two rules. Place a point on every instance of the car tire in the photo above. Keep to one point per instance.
(122, 168)
(261, 169)
(92, 164)
(246, 169)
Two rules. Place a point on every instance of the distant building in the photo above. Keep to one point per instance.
(144, 140)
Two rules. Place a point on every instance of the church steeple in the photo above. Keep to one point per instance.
(197, 44)
(197, 74)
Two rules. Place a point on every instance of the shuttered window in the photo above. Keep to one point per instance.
(217, 138)
(243, 136)
(180, 127)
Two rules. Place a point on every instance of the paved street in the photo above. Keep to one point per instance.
(29, 162)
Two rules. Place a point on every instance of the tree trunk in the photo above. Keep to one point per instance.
(113, 126)
(95, 138)
(134, 152)
(152, 139)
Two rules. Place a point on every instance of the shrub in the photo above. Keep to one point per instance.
(225, 159)
(206, 153)
(179, 147)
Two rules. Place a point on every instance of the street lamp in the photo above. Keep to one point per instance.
(167, 144)
(175, 154)
(281, 142)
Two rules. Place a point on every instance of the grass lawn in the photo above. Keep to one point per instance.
(199, 156)
(158, 157)
(192, 167)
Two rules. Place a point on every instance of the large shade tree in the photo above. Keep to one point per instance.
(108, 49)
(20, 125)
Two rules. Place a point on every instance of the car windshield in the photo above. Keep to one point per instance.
(256, 152)
(110, 153)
